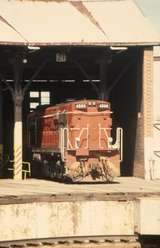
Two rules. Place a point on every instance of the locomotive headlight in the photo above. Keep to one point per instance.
(81, 106)
(104, 106)
(91, 104)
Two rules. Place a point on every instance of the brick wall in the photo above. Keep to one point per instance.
(144, 115)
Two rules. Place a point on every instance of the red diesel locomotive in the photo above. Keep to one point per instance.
(73, 140)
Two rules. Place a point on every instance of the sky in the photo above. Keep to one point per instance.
(151, 8)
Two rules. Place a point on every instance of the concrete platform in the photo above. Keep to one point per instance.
(124, 188)
(34, 209)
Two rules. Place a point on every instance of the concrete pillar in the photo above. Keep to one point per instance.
(18, 96)
(18, 145)
(18, 100)
(144, 138)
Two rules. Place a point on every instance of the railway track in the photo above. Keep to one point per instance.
(77, 242)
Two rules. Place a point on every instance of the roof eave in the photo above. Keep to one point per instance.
(156, 43)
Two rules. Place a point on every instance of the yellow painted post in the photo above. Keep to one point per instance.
(18, 150)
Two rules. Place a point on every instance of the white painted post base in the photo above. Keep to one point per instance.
(18, 138)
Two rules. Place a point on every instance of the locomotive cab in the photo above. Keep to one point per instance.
(74, 140)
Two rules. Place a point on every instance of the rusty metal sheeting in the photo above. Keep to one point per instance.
(60, 22)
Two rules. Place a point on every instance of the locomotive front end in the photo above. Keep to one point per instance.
(87, 146)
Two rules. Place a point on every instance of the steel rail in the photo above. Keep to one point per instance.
(114, 239)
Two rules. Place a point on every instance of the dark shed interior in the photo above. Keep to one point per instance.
(114, 74)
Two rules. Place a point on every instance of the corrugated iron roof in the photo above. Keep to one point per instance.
(87, 22)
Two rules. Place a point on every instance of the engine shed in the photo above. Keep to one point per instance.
(53, 51)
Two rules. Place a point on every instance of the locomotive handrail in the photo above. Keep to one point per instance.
(79, 137)
(62, 141)
(119, 140)
(68, 143)
(24, 171)
(105, 131)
